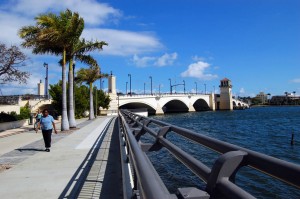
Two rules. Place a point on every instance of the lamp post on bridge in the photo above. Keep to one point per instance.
(196, 87)
(170, 86)
(183, 87)
(144, 88)
(126, 87)
(159, 89)
(129, 75)
(204, 89)
(46, 80)
(151, 83)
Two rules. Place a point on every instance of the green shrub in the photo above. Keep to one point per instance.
(24, 113)
(4, 117)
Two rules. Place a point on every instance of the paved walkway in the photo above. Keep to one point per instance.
(38, 174)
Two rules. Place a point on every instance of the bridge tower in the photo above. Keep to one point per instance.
(112, 84)
(226, 102)
(112, 92)
(41, 88)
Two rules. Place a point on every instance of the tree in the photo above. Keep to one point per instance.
(54, 34)
(89, 76)
(11, 59)
(81, 95)
(103, 100)
(78, 52)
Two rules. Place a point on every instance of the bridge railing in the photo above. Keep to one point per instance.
(219, 179)
(160, 94)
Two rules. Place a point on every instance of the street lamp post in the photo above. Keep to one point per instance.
(170, 86)
(129, 75)
(126, 87)
(151, 83)
(100, 81)
(144, 88)
(46, 80)
(183, 87)
(205, 89)
(196, 87)
(102, 84)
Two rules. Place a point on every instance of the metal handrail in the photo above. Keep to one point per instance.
(280, 169)
(149, 183)
(267, 164)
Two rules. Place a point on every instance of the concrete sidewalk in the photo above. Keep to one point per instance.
(16, 138)
(45, 175)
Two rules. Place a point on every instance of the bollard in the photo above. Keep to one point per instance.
(292, 140)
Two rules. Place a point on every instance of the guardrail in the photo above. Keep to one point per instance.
(14, 99)
(219, 179)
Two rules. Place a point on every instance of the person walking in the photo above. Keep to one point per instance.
(47, 124)
(37, 119)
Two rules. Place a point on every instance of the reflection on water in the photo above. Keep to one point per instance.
(267, 130)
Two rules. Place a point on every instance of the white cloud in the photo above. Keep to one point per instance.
(297, 80)
(142, 61)
(122, 42)
(14, 15)
(93, 12)
(166, 59)
(197, 58)
(242, 91)
(12, 24)
(198, 70)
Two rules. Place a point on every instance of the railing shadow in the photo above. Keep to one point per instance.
(112, 181)
(76, 182)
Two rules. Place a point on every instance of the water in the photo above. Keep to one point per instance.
(266, 129)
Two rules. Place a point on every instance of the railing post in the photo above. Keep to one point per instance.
(225, 166)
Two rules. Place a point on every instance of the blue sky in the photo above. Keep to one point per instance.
(254, 43)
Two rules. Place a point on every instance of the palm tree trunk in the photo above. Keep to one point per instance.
(91, 103)
(64, 119)
(72, 121)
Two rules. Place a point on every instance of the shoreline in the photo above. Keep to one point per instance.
(256, 106)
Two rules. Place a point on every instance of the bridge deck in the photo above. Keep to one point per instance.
(37, 174)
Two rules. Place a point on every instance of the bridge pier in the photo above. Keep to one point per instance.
(159, 110)
(191, 108)
(212, 102)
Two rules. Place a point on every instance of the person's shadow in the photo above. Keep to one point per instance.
(30, 149)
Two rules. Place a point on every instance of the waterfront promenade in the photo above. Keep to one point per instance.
(75, 167)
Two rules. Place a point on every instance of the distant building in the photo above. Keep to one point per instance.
(287, 99)
(262, 97)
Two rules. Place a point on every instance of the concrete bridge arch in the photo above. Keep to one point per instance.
(165, 103)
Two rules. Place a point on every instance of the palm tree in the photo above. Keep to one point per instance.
(89, 76)
(54, 34)
(77, 52)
